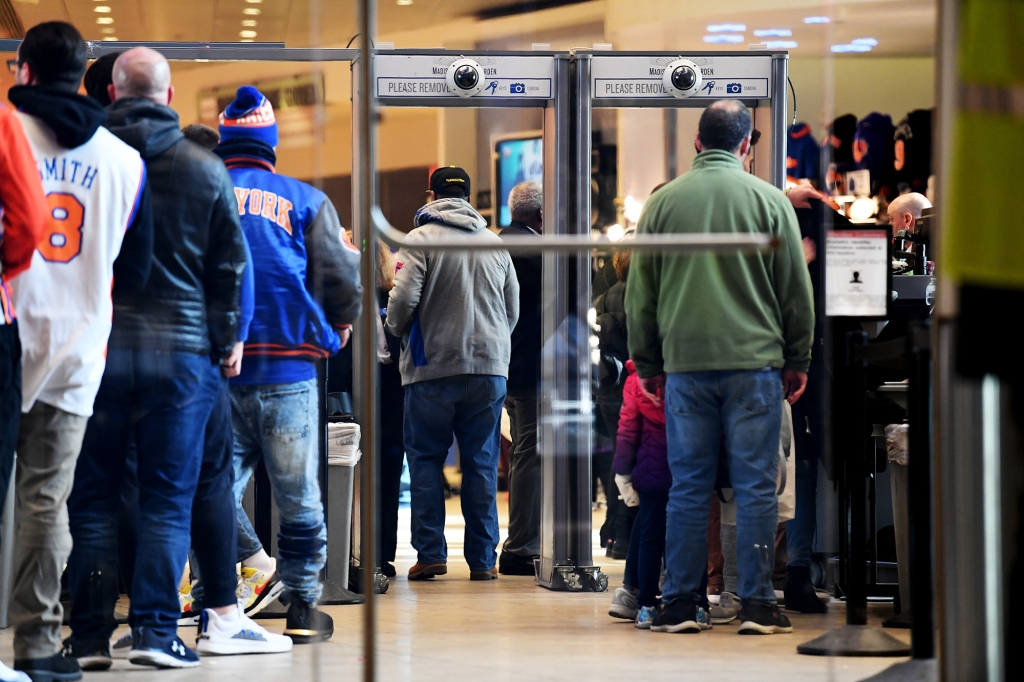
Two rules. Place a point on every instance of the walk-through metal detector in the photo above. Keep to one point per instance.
(258, 501)
(538, 79)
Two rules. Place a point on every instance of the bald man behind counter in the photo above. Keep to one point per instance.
(167, 347)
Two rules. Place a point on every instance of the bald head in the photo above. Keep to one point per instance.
(905, 209)
(725, 125)
(142, 72)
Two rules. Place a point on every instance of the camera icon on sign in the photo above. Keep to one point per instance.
(734, 89)
(517, 89)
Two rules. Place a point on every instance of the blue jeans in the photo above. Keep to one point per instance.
(467, 406)
(164, 399)
(279, 423)
(745, 405)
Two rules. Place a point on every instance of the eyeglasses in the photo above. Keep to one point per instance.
(12, 65)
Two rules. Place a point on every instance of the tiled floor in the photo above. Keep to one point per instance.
(509, 629)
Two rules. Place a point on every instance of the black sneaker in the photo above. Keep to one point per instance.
(90, 655)
(160, 651)
(60, 666)
(677, 616)
(762, 618)
(307, 624)
(513, 564)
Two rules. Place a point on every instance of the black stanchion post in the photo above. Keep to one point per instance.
(920, 494)
(855, 638)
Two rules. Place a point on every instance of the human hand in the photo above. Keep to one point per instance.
(801, 195)
(793, 384)
(653, 388)
(810, 250)
(345, 333)
(231, 366)
(626, 492)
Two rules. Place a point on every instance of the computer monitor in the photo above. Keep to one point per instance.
(518, 158)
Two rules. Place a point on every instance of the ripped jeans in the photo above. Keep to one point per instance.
(278, 423)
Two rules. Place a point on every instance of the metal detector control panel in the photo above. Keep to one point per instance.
(639, 76)
(408, 78)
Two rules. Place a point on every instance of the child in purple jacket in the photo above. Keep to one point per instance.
(643, 477)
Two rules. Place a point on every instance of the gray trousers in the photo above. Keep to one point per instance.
(899, 487)
(523, 478)
(49, 442)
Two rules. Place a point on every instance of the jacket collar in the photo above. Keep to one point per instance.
(517, 226)
(716, 158)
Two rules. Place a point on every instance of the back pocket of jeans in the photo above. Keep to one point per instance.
(761, 391)
(286, 415)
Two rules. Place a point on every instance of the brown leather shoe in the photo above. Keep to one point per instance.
(484, 575)
(426, 571)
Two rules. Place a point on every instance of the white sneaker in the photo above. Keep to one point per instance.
(8, 675)
(239, 636)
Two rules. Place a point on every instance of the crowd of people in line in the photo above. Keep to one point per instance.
(167, 295)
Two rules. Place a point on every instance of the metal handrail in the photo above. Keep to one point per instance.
(572, 243)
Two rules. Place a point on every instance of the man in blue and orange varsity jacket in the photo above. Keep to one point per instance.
(307, 295)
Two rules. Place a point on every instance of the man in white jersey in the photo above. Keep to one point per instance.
(95, 186)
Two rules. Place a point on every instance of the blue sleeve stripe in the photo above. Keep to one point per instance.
(138, 197)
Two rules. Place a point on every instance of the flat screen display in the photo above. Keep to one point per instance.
(518, 161)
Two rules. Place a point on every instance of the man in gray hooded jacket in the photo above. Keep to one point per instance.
(455, 311)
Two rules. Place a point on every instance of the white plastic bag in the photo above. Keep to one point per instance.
(897, 443)
(343, 444)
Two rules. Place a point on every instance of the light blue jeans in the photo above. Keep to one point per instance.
(278, 423)
(746, 407)
(467, 406)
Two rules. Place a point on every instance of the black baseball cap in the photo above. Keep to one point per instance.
(450, 181)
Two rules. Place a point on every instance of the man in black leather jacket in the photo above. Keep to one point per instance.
(167, 347)
(523, 543)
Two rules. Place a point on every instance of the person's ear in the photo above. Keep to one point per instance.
(908, 220)
(170, 94)
(111, 92)
(696, 143)
(24, 75)
(745, 147)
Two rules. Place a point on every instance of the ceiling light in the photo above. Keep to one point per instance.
(109, 38)
(851, 48)
(247, 34)
(248, 22)
(404, 3)
(726, 28)
(773, 32)
(254, 2)
(615, 232)
(816, 20)
(104, 20)
(781, 44)
(106, 30)
(102, 9)
(871, 42)
(729, 38)
(246, 40)
(251, 11)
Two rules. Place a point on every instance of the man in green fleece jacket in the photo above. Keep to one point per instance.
(723, 338)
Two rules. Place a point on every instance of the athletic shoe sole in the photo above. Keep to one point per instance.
(158, 659)
(623, 612)
(51, 676)
(188, 620)
(686, 626)
(266, 598)
(241, 646)
(749, 627)
(723, 620)
(92, 663)
(308, 636)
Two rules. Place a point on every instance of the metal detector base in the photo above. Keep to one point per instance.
(914, 670)
(577, 579)
(854, 640)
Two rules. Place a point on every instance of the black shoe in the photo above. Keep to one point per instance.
(799, 591)
(762, 618)
(90, 655)
(609, 549)
(388, 570)
(620, 550)
(513, 564)
(901, 621)
(60, 666)
(307, 624)
(677, 616)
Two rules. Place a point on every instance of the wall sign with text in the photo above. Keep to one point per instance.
(858, 274)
